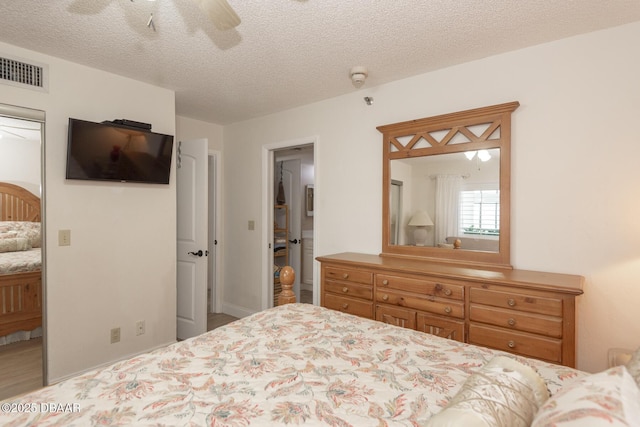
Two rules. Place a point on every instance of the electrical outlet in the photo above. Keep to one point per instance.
(140, 327)
(115, 335)
(64, 237)
(252, 225)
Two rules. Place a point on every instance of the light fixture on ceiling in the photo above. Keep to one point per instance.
(483, 155)
(358, 75)
(368, 100)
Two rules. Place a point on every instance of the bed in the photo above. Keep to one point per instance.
(299, 364)
(20, 261)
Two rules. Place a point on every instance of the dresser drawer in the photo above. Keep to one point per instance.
(349, 305)
(426, 286)
(513, 319)
(429, 304)
(517, 301)
(396, 316)
(538, 347)
(348, 275)
(442, 327)
(349, 289)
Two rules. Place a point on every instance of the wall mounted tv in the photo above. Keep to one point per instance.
(112, 152)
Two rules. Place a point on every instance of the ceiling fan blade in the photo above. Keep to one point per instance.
(11, 133)
(220, 13)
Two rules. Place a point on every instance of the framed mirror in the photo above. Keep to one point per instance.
(446, 187)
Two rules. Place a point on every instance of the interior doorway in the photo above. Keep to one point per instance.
(290, 174)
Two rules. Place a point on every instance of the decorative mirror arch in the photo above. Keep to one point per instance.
(442, 146)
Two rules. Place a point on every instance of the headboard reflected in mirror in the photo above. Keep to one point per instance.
(446, 187)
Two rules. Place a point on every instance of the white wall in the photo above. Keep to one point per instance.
(574, 159)
(119, 268)
(187, 128)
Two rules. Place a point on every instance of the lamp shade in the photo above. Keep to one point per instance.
(420, 219)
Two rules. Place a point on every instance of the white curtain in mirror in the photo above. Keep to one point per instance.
(447, 206)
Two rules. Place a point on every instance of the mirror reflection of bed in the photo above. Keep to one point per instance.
(20, 280)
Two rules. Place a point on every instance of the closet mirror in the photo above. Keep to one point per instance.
(446, 187)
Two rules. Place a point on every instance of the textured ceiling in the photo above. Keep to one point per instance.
(287, 53)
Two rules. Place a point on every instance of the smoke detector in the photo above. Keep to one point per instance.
(358, 75)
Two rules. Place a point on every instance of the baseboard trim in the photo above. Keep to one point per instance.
(106, 364)
(236, 310)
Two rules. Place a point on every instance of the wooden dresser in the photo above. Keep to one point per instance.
(523, 312)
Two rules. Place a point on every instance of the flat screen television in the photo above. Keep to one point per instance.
(111, 152)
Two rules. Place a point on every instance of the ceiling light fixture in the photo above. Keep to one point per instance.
(368, 100)
(483, 155)
(358, 75)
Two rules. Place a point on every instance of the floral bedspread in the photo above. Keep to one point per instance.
(20, 261)
(295, 364)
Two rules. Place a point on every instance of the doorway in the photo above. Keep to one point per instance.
(22, 165)
(289, 168)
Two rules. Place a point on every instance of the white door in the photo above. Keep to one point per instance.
(293, 196)
(192, 188)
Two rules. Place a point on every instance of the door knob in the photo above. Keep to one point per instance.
(294, 241)
(199, 253)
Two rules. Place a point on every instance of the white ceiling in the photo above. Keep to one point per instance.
(287, 53)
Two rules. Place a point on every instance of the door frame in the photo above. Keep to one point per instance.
(267, 214)
(217, 213)
(40, 116)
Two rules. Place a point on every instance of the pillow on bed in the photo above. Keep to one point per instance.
(610, 398)
(633, 366)
(8, 235)
(27, 229)
(504, 392)
(15, 244)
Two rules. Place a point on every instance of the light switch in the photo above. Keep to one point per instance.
(64, 237)
(252, 225)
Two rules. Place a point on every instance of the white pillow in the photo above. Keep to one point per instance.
(610, 398)
(633, 366)
(503, 393)
(14, 244)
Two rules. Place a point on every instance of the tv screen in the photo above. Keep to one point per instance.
(111, 152)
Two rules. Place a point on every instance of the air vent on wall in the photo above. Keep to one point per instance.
(23, 74)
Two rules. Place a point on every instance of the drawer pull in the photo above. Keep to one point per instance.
(385, 282)
(345, 276)
(385, 297)
(345, 306)
(511, 302)
(511, 321)
(511, 344)
(447, 292)
(345, 289)
(447, 309)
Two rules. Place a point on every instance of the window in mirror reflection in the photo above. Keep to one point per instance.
(458, 191)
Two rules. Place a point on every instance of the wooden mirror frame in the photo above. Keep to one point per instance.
(496, 122)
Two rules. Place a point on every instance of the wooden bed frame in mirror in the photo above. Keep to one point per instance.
(20, 293)
(472, 130)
